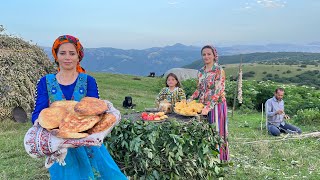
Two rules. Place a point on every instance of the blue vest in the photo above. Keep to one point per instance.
(55, 92)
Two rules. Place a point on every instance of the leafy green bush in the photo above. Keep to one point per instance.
(189, 86)
(308, 116)
(269, 75)
(255, 93)
(246, 75)
(309, 78)
(169, 150)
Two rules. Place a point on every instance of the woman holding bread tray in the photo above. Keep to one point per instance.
(70, 121)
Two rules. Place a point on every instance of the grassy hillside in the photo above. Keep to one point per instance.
(259, 69)
(115, 87)
(282, 67)
(288, 159)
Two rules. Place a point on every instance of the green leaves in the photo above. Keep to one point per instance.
(169, 150)
(255, 93)
(308, 116)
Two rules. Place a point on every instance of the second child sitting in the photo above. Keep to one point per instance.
(172, 93)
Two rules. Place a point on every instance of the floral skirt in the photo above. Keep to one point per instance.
(218, 115)
(92, 162)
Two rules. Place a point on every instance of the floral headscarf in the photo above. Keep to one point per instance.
(69, 39)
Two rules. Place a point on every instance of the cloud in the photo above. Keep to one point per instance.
(248, 6)
(271, 3)
(173, 3)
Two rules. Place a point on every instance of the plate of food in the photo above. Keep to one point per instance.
(186, 114)
(191, 109)
(154, 117)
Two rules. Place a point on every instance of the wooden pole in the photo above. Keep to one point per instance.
(261, 118)
(236, 90)
(266, 110)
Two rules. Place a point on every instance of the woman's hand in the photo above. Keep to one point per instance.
(205, 111)
(36, 122)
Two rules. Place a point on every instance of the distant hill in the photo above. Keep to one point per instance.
(160, 59)
(287, 58)
(137, 62)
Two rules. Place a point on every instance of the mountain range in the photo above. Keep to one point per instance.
(160, 59)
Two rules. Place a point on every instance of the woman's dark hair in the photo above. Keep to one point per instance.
(207, 47)
(175, 77)
(57, 50)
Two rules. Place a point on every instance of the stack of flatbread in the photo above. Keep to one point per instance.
(72, 119)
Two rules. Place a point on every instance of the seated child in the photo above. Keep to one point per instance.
(172, 93)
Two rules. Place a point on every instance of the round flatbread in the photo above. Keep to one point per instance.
(75, 123)
(72, 135)
(106, 121)
(89, 106)
(68, 105)
(51, 118)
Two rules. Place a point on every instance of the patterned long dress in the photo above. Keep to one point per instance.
(210, 92)
(83, 162)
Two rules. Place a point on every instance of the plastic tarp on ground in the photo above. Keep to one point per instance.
(183, 73)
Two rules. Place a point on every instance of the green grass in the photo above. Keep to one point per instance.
(287, 159)
(114, 87)
(232, 69)
(290, 159)
(15, 163)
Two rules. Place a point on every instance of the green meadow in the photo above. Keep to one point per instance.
(254, 154)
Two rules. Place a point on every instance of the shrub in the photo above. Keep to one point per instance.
(255, 93)
(189, 86)
(264, 72)
(21, 66)
(248, 74)
(170, 150)
(269, 75)
(308, 116)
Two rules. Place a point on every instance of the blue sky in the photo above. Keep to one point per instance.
(137, 24)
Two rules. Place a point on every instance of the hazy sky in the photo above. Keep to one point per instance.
(141, 24)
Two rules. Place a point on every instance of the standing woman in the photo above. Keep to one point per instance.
(210, 92)
(71, 83)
